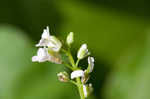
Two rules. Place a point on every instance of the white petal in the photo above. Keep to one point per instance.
(52, 42)
(45, 38)
(46, 33)
(85, 91)
(42, 55)
(41, 52)
(77, 73)
(34, 59)
(91, 64)
(43, 42)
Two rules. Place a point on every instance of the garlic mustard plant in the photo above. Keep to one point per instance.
(51, 49)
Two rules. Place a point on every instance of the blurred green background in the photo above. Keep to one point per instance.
(117, 33)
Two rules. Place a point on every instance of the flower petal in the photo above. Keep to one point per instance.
(77, 73)
(85, 91)
(46, 33)
(34, 59)
(91, 64)
(42, 55)
(43, 42)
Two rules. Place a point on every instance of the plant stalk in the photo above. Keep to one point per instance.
(78, 80)
(80, 88)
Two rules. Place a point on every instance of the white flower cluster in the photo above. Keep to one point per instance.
(50, 47)
(49, 50)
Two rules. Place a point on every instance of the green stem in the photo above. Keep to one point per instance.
(77, 62)
(68, 53)
(80, 88)
(78, 82)
(71, 59)
(67, 65)
(73, 82)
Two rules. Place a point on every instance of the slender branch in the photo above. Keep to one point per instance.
(74, 67)
(78, 80)
(71, 59)
(80, 88)
(77, 62)
(67, 65)
(73, 82)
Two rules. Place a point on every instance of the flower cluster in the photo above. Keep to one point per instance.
(51, 48)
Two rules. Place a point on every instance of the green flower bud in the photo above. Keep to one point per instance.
(82, 52)
(87, 89)
(70, 38)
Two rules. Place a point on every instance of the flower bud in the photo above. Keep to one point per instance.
(63, 76)
(83, 51)
(87, 89)
(70, 38)
(90, 64)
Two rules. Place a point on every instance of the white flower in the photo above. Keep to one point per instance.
(77, 73)
(70, 38)
(44, 38)
(83, 51)
(49, 41)
(42, 55)
(91, 64)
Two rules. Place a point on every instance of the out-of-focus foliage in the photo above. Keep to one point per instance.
(119, 39)
(130, 78)
(22, 79)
